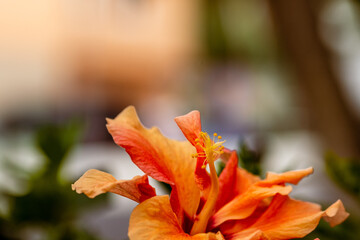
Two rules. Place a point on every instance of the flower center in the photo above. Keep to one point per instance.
(210, 148)
(211, 151)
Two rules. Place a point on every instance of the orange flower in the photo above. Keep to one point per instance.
(235, 205)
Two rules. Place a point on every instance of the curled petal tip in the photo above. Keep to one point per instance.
(95, 182)
(335, 214)
(108, 120)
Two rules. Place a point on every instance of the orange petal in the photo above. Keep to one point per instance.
(287, 218)
(292, 177)
(164, 159)
(246, 202)
(258, 235)
(233, 181)
(335, 214)
(95, 182)
(244, 180)
(227, 182)
(225, 157)
(234, 226)
(190, 125)
(244, 205)
(154, 220)
(207, 236)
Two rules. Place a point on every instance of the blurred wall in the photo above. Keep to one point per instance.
(55, 53)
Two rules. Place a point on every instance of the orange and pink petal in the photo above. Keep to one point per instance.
(244, 205)
(154, 220)
(287, 218)
(233, 181)
(95, 182)
(190, 125)
(250, 196)
(292, 177)
(164, 159)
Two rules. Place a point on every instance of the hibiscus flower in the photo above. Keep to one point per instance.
(235, 205)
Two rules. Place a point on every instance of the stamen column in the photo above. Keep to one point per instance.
(212, 151)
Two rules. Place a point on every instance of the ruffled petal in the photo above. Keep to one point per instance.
(253, 192)
(244, 205)
(335, 214)
(233, 181)
(154, 220)
(95, 182)
(292, 177)
(235, 226)
(190, 125)
(227, 181)
(164, 159)
(286, 218)
(244, 180)
(258, 235)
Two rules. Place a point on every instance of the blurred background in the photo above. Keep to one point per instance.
(280, 80)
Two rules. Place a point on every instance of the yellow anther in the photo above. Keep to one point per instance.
(208, 149)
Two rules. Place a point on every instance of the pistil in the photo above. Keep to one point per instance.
(212, 151)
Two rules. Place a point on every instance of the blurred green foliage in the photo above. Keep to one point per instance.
(237, 29)
(249, 159)
(49, 208)
(345, 172)
(214, 35)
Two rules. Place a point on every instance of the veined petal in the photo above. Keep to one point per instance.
(287, 218)
(95, 182)
(164, 159)
(246, 202)
(190, 125)
(244, 205)
(227, 182)
(335, 214)
(292, 177)
(244, 180)
(233, 181)
(258, 235)
(235, 226)
(154, 220)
